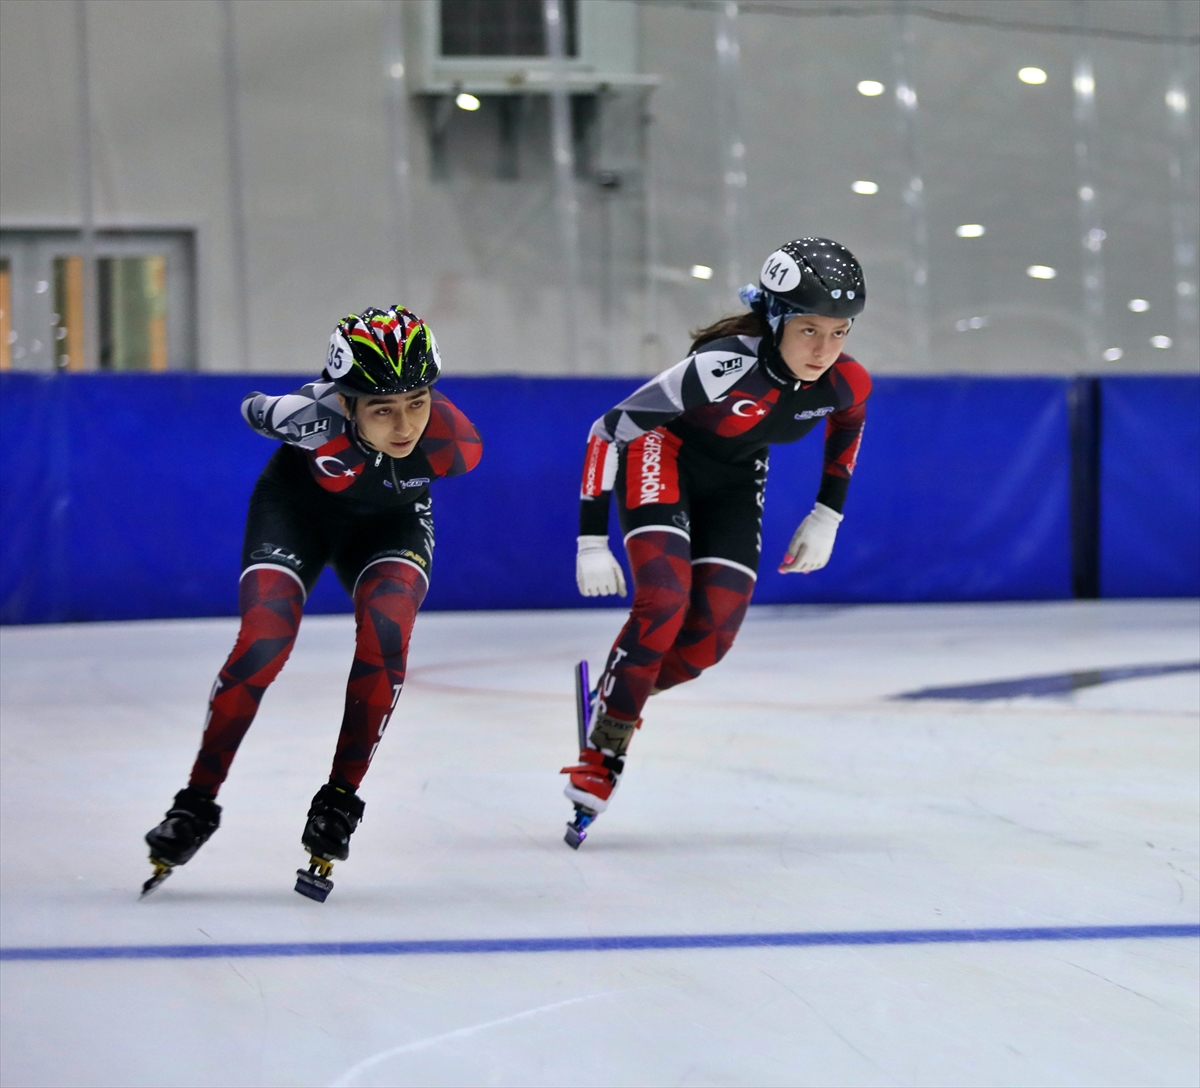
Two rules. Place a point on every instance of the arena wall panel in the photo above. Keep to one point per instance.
(126, 495)
(1150, 487)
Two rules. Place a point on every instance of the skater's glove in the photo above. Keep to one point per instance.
(597, 572)
(812, 543)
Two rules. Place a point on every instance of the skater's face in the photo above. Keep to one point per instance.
(811, 344)
(393, 425)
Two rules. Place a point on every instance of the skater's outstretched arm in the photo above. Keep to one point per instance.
(843, 431)
(812, 543)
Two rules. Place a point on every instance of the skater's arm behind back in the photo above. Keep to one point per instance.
(308, 418)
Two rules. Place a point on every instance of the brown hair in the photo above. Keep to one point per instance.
(747, 324)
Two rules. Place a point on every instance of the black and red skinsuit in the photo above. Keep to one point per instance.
(687, 456)
(327, 498)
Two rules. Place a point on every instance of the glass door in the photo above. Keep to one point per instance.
(145, 313)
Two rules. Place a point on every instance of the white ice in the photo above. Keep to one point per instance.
(783, 791)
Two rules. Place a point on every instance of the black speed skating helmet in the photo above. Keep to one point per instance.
(381, 352)
(814, 276)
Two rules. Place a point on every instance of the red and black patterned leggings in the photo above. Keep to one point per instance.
(271, 600)
(685, 617)
(692, 532)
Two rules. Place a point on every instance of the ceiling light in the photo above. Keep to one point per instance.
(1184, 288)
(1041, 272)
(870, 87)
(1111, 355)
(1161, 341)
(865, 188)
(1084, 84)
(397, 70)
(467, 102)
(701, 272)
(1176, 100)
(970, 230)
(1139, 305)
(1031, 75)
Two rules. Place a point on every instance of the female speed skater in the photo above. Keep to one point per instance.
(349, 487)
(686, 455)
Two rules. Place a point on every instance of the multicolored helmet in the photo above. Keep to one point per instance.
(381, 352)
(808, 276)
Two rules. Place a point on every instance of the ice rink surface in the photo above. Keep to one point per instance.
(785, 791)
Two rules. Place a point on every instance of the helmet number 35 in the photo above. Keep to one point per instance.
(341, 357)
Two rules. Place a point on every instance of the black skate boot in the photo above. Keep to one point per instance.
(189, 823)
(334, 814)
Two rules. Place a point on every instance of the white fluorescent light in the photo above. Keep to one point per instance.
(1111, 355)
(1031, 75)
(1161, 341)
(1041, 272)
(970, 230)
(1139, 305)
(397, 70)
(467, 102)
(870, 87)
(701, 272)
(865, 188)
(1176, 100)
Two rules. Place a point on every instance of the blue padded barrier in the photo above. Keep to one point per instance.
(128, 493)
(1150, 487)
(961, 494)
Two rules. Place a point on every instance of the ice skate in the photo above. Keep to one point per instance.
(601, 760)
(334, 814)
(585, 700)
(188, 824)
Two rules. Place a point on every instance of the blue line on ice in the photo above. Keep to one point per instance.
(597, 944)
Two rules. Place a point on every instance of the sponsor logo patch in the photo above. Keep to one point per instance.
(728, 366)
(273, 553)
(593, 467)
(652, 473)
(815, 413)
(315, 426)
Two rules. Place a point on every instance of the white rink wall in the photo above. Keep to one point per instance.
(483, 263)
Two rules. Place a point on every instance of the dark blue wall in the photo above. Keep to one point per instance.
(124, 495)
(1150, 487)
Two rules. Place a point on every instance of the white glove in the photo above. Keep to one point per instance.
(812, 543)
(597, 572)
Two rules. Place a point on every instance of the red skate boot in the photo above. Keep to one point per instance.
(596, 777)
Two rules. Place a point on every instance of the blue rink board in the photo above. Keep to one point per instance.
(1150, 487)
(132, 491)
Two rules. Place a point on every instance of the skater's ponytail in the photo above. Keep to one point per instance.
(747, 324)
